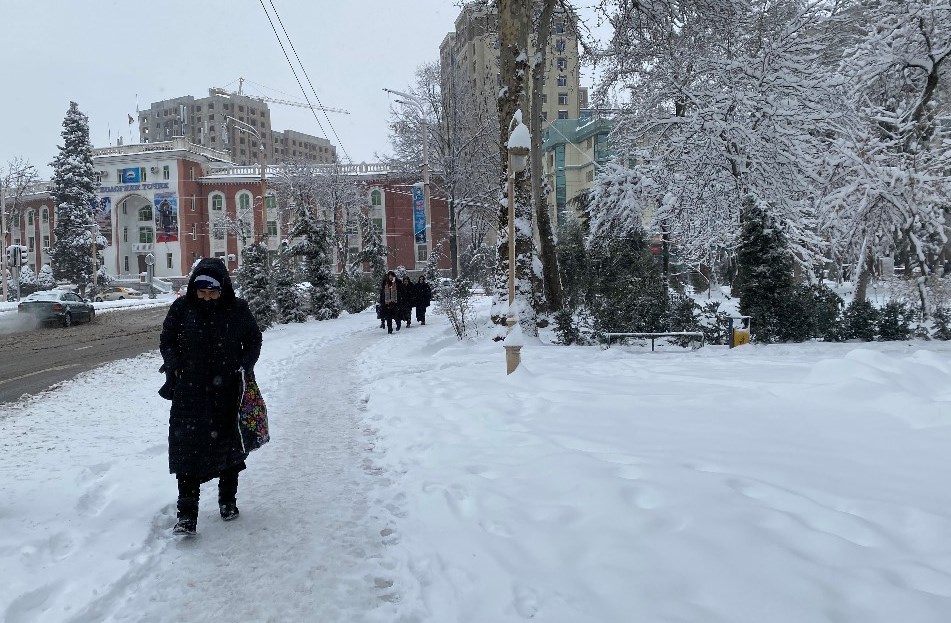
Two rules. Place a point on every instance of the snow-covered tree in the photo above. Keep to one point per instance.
(301, 188)
(254, 275)
(287, 299)
(889, 187)
(19, 179)
(724, 100)
(463, 152)
(74, 196)
(44, 278)
(373, 251)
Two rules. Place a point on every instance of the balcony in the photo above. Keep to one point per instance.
(143, 247)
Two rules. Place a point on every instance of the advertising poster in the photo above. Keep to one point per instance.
(166, 217)
(103, 215)
(419, 213)
(132, 175)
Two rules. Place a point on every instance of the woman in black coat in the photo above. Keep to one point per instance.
(391, 295)
(423, 298)
(208, 336)
(409, 300)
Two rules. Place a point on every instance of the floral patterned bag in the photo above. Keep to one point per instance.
(252, 415)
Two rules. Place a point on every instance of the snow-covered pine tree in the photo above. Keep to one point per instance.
(374, 252)
(74, 197)
(313, 245)
(287, 299)
(44, 279)
(764, 277)
(254, 277)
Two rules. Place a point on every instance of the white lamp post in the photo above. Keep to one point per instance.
(420, 106)
(247, 128)
(519, 146)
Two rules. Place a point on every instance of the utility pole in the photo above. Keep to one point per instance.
(3, 241)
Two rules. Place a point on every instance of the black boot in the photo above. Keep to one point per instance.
(227, 493)
(188, 493)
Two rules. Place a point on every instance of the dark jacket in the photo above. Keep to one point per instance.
(407, 296)
(424, 294)
(206, 348)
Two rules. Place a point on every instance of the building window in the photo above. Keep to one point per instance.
(125, 234)
(30, 243)
(562, 114)
(378, 225)
(562, 64)
(46, 242)
(562, 99)
(194, 202)
(376, 198)
(124, 207)
(217, 202)
(168, 260)
(589, 176)
(45, 215)
(421, 255)
(271, 203)
(125, 263)
(559, 28)
(272, 228)
(166, 173)
(544, 98)
(145, 235)
(29, 218)
(562, 80)
(145, 213)
(560, 46)
(244, 202)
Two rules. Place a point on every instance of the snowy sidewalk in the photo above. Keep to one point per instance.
(86, 539)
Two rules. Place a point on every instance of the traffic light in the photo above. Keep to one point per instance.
(9, 258)
(24, 256)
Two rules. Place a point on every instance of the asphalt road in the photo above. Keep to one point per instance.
(34, 359)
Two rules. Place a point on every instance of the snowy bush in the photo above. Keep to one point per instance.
(357, 291)
(255, 284)
(894, 321)
(942, 323)
(859, 322)
(455, 304)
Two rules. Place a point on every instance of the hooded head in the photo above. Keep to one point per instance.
(211, 273)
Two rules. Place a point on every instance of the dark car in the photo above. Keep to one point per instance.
(57, 306)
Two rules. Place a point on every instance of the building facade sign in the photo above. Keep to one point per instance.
(128, 188)
(419, 213)
(166, 217)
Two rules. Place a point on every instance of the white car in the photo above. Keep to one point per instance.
(117, 294)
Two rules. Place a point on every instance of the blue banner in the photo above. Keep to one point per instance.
(419, 213)
(130, 176)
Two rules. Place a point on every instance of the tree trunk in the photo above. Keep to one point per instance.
(453, 238)
(514, 22)
(551, 274)
(865, 276)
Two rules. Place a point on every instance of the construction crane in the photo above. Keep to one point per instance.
(271, 100)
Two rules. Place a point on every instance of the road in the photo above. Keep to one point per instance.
(33, 360)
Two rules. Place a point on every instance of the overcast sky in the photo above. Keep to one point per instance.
(103, 54)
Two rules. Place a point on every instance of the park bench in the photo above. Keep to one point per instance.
(654, 336)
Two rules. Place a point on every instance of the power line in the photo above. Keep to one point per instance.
(296, 77)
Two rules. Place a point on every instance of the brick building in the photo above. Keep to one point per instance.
(181, 202)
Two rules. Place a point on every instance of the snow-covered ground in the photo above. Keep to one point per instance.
(410, 480)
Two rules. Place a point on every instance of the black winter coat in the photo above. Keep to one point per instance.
(206, 347)
(424, 294)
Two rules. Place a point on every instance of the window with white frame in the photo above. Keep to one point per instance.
(146, 235)
(217, 203)
(421, 254)
(45, 215)
(376, 198)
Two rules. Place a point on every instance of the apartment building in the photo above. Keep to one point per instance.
(573, 149)
(469, 64)
(207, 122)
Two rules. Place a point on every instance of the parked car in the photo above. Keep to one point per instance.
(117, 294)
(57, 306)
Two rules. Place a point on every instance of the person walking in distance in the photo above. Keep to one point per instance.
(409, 300)
(390, 301)
(208, 338)
(423, 296)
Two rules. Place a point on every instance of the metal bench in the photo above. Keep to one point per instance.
(654, 336)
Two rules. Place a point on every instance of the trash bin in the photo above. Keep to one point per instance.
(739, 330)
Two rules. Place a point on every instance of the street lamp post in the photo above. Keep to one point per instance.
(250, 129)
(519, 146)
(3, 241)
(420, 106)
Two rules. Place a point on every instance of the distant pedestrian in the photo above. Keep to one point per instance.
(209, 336)
(423, 296)
(390, 301)
(409, 300)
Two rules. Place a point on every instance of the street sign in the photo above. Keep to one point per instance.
(149, 259)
